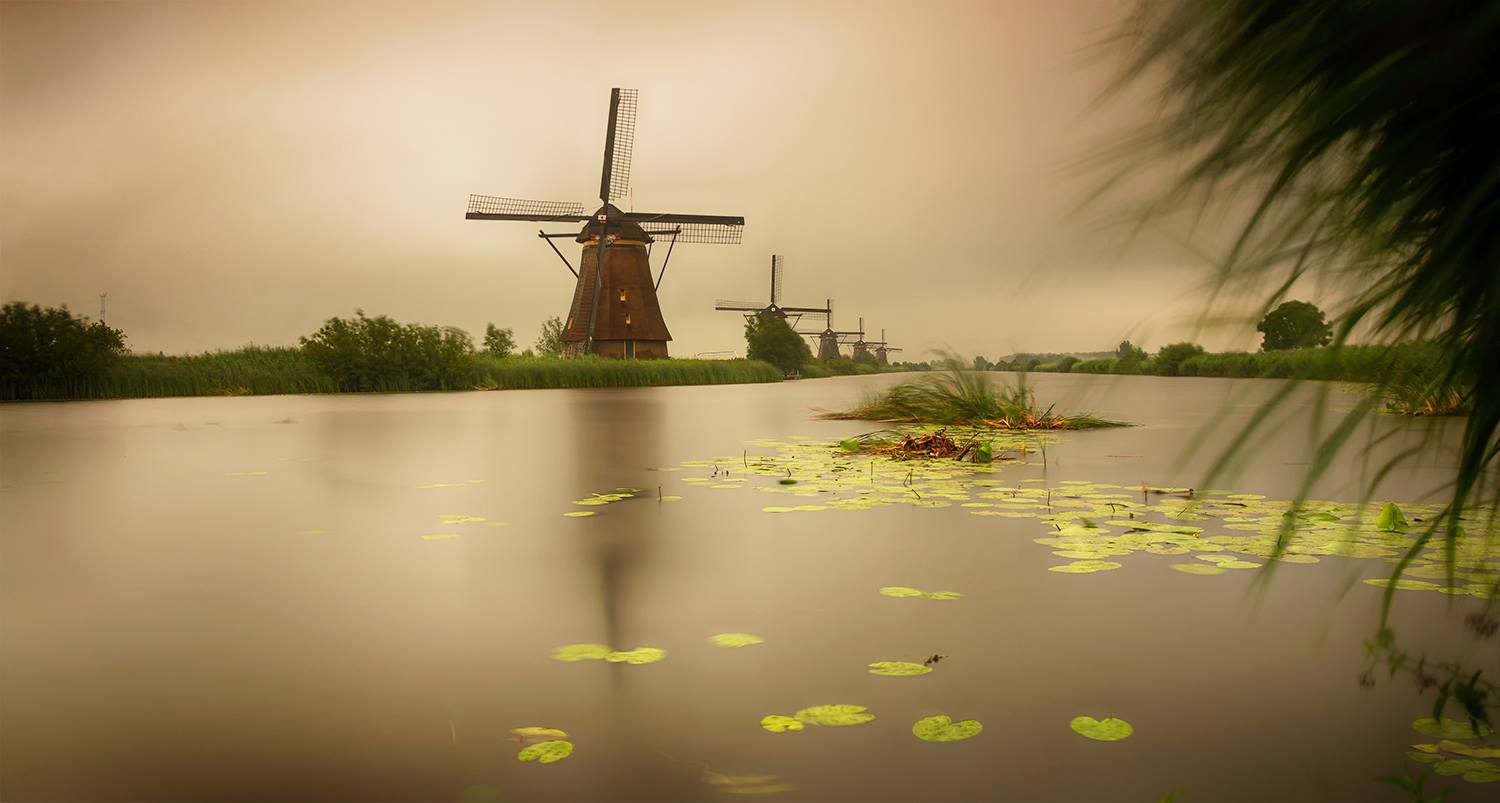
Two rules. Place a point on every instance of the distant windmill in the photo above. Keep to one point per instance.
(774, 306)
(829, 339)
(861, 348)
(883, 350)
(615, 312)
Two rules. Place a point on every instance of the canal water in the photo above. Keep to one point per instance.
(357, 598)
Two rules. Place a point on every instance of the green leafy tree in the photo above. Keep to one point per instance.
(1294, 325)
(550, 343)
(42, 347)
(1170, 358)
(499, 342)
(981, 364)
(364, 353)
(768, 338)
(1129, 356)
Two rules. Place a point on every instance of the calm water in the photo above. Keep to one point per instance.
(230, 599)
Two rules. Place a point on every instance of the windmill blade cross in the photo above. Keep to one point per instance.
(778, 272)
(619, 145)
(492, 207)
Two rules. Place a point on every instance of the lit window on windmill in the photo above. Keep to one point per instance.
(622, 295)
(570, 324)
(627, 319)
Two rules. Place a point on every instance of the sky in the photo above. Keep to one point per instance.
(238, 172)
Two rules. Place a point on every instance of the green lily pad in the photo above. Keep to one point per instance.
(942, 729)
(904, 591)
(898, 668)
(546, 752)
(580, 514)
(1483, 776)
(1391, 519)
(1459, 748)
(1105, 730)
(735, 639)
(1403, 584)
(1462, 766)
(639, 655)
(835, 715)
(776, 723)
(1085, 567)
(1197, 568)
(1450, 729)
(539, 733)
(581, 652)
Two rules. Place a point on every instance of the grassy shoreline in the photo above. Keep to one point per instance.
(261, 371)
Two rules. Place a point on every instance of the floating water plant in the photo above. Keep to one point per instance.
(899, 669)
(835, 715)
(581, 652)
(776, 723)
(548, 752)
(904, 591)
(1104, 730)
(942, 729)
(1451, 729)
(733, 640)
(639, 655)
(1085, 567)
(537, 732)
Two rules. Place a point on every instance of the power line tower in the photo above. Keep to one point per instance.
(102, 296)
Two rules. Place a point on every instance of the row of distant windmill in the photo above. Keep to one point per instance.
(615, 312)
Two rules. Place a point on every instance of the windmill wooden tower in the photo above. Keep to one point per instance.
(829, 339)
(753, 308)
(861, 348)
(615, 312)
(882, 350)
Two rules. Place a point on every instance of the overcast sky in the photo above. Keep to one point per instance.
(238, 172)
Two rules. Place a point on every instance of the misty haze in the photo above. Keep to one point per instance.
(497, 401)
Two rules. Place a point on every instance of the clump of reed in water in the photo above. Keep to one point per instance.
(965, 398)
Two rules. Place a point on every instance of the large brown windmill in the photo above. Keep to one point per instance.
(614, 312)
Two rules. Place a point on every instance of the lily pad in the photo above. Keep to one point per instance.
(1403, 584)
(1105, 730)
(1085, 567)
(735, 639)
(776, 723)
(546, 752)
(899, 669)
(535, 732)
(580, 514)
(1450, 729)
(942, 729)
(1391, 518)
(904, 591)
(581, 652)
(835, 715)
(1463, 766)
(639, 655)
(1459, 748)
(1197, 568)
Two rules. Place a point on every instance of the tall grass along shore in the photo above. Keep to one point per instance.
(259, 371)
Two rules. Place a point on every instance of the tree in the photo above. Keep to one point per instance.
(51, 346)
(981, 364)
(379, 353)
(550, 343)
(1169, 358)
(1294, 325)
(498, 342)
(1129, 355)
(768, 338)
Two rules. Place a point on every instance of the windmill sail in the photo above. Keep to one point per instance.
(777, 272)
(491, 207)
(619, 145)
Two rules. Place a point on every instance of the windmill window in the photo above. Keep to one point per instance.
(627, 319)
(570, 323)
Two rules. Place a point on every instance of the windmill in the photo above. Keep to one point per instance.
(829, 339)
(861, 347)
(883, 350)
(773, 307)
(615, 312)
